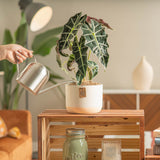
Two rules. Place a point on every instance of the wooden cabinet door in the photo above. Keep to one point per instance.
(119, 101)
(151, 105)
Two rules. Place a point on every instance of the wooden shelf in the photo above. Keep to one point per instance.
(52, 125)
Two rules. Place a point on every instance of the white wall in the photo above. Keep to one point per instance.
(136, 25)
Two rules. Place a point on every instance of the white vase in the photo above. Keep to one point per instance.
(143, 75)
(85, 99)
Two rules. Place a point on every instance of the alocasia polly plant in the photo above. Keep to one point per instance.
(81, 36)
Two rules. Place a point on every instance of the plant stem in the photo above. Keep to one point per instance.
(89, 54)
(5, 99)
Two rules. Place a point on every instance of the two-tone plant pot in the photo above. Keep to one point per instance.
(86, 98)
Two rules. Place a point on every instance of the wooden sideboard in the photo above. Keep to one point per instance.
(152, 157)
(134, 99)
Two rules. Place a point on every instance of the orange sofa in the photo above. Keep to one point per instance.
(17, 149)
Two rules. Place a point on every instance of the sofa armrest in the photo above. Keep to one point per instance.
(19, 118)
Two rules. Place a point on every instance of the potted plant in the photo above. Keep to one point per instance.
(81, 37)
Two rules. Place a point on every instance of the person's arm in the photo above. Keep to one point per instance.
(14, 53)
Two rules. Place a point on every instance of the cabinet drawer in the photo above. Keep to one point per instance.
(119, 101)
(151, 105)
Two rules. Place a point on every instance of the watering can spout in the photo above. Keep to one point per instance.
(54, 86)
(34, 77)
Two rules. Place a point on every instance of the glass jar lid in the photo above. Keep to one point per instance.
(75, 131)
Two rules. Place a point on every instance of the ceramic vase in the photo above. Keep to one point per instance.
(143, 75)
(84, 98)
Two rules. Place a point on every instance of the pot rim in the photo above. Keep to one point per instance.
(86, 83)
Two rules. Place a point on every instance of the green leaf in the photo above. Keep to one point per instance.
(70, 62)
(12, 71)
(21, 34)
(46, 47)
(53, 75)
(15, 98)
(69, 31)
(46, 36)
(9, 71)
(7, 38)
(92, 69)
(1, 66)
(96, 40)
(80, 52)
(23, 18)
(44, 42)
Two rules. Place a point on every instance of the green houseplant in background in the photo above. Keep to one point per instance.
(81, 37)
(42, 45)
(11, 94)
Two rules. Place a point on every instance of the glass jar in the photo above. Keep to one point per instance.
(75, 147)
(111, 149)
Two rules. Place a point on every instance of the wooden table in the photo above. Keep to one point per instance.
(126, 125)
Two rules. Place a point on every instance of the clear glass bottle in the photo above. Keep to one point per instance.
(75, 147)
(111, 149)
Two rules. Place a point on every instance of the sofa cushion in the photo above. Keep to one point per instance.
(3, 128)
(17, 149)
(4, 155)
(15, 132)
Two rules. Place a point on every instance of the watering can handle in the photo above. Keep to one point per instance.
(18, 70)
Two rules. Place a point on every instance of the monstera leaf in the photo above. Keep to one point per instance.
(69, 31)
(96, 40)
(80, 52)
(92, 69)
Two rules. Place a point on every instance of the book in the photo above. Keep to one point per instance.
(156, 150)
(157, 141)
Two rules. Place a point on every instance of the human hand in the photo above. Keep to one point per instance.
(14, 53)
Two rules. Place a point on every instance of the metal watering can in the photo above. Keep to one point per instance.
(34, 77)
